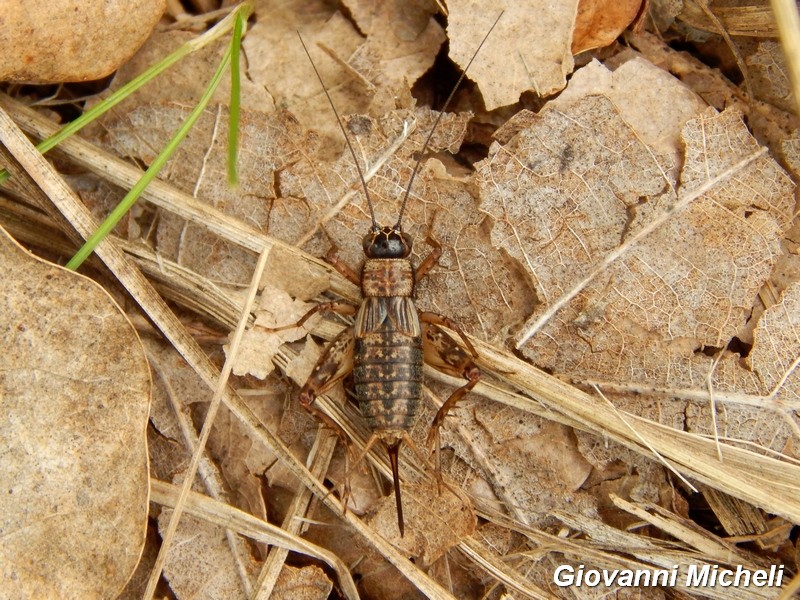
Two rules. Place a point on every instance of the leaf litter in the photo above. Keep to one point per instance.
(560, 189)
(75, 389)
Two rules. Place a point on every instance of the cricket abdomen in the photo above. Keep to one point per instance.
(388, 379)
(388, 347)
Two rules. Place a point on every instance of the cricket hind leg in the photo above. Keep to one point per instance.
(334, 364)
(443, 353)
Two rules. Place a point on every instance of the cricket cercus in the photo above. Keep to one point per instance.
(385, 347)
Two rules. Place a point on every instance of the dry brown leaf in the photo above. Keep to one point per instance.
(769, 75)
(268, 144)
(303, 283)
(402, 42)
(535, 466)
(75, 388)
(776, 352)
(241, 461)
(663, 12)
(579, 181)
(637, 90)
(434, 522)
(279, 64)
(259, 346)
(528, 50)
(600, 22)
(234, 462)
(362, 75)
(200, 563)
(307, 583)
(790, 148)
(72, 40)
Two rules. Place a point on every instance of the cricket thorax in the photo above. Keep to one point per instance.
(384, 277)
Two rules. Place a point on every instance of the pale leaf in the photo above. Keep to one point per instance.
(74, 389)
(188, 82)
(435, 522)
(576, 182)
(363, 75)
(306, 583)
(770, 77)
(200, 564)
(528, 50)
(776, 351)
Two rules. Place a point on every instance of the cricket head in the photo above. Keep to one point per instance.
(387, 242)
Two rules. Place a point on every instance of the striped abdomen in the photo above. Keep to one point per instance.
(388, 379)
(388, 347)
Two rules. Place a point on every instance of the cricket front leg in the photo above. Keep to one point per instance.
(443, 353)
(332, 258)
(431, 260)
(339, 306)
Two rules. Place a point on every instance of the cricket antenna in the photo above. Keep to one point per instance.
(344, 133)
(394, 453)
(439, 118)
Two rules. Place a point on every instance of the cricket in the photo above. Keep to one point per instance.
(390, 338)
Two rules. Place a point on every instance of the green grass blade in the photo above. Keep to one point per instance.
(234, 105)
(130, 198)
(213, 34)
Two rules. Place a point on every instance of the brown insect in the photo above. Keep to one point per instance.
(386, 346)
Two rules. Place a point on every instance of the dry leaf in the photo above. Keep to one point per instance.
(434, 522)
(362, 75)
(663, 12)
(307, 583)
(776, 351)
(200, 563)
(535, 466)
(72, 41)
(268, 144)
(75, 387)
(242, 462)
(402, 42)
(277, 60)
(259, 345)
(600, 22)
(528, 50)
(637, 90)
(770, 78)
(790, 148)
(688, 285)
